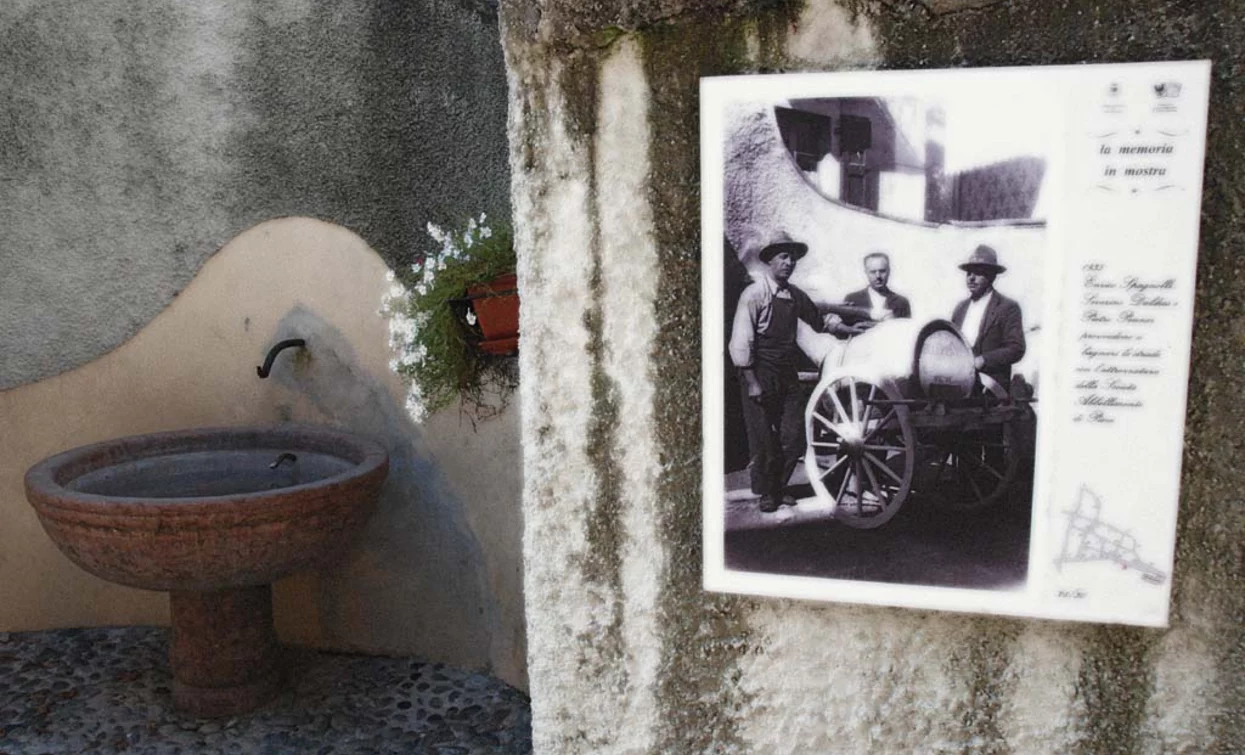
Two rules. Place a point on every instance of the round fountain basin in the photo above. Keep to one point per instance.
(208, 509)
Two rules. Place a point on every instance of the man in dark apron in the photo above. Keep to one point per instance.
(763, 348)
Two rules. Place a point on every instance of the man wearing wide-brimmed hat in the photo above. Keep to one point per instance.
(763, 348)
(991, 323)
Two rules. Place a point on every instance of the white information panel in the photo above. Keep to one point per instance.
(947, 322)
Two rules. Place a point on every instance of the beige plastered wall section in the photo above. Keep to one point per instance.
(437, 573)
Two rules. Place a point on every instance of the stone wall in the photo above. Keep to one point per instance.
(135, 144)
(627, 654)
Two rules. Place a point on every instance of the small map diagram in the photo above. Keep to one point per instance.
(1088, 538)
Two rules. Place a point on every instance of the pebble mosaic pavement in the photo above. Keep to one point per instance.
(108, 691)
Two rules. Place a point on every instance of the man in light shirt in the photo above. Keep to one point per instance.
(991, 323)
(763, 348)
(881, 302)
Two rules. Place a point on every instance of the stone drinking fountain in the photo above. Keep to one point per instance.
(212, 516)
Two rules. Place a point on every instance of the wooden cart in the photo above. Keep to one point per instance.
(900, 409)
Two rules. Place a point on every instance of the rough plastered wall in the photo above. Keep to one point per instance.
(626, 653)
(137, 140)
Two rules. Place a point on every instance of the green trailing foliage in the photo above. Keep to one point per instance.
(432, 329)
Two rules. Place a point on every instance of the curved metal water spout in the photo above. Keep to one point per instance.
(272, 354)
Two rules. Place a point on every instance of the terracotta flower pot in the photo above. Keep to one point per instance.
(496, 305)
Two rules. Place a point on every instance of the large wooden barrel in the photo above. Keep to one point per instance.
(922, 359)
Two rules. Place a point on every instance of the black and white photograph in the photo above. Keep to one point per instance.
(881, 307)
(944, 312)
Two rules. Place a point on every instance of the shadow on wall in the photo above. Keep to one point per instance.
(418, 562)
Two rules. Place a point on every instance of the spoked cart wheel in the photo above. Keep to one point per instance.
(972, 469)
(861, 448)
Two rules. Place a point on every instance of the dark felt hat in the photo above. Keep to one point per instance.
(779, 241)
(983, 258)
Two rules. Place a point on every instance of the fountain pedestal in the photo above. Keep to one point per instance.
(223, 651)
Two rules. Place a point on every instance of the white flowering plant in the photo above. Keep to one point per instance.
(431, 332)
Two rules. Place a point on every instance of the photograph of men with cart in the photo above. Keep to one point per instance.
(911, 424)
